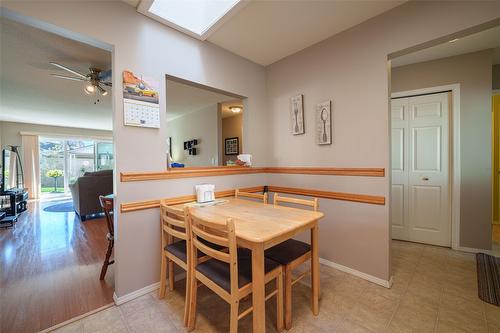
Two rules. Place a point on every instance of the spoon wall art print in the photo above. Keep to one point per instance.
(324, 123)
(297, 115)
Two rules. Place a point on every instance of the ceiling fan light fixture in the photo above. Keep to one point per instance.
(102, 91)
(89, 89)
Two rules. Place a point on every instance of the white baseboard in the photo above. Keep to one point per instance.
(368, 277)
(474, 250)
(143, 291)
(135, 294)
(152, 287)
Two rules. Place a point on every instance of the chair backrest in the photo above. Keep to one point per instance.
(107, 206)
(173, 224)
(222, 234)
(304, 202)
(239, 194)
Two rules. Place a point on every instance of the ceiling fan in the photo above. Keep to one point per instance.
(94, 80)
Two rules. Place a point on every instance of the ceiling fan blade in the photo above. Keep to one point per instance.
(68, 69)
(109, 84)
(68, 77)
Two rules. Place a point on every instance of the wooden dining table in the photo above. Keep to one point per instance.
(259, 226)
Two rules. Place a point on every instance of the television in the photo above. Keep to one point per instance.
(12, 172)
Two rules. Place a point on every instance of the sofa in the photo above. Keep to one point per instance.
(87, 189)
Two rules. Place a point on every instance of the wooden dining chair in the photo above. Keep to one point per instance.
(107, 207)
(291, 254)
(174, 249)
(228, 274)
(238, 194)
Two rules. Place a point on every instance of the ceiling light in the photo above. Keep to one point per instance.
(102, 91)
(453, 40)
(89, 89)
(235, 109)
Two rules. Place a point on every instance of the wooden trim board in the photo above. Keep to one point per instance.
(236, 170)
(361, 198)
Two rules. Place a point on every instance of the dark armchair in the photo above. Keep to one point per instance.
(87, 189)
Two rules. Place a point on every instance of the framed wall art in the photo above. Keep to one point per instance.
(297, 115)
(324, 123)
(232, 146)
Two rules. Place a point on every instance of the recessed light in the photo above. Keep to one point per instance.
(453, 40)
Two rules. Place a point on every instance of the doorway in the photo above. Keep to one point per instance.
(420, 190)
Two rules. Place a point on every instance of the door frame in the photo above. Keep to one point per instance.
(454, 141)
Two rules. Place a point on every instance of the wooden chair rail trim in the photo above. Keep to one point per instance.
(361, 198)
(235, 170)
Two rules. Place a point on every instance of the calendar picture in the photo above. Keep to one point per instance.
(140, 101)
(138, 88)
(232, 146)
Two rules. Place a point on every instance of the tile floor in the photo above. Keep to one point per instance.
(434, 290)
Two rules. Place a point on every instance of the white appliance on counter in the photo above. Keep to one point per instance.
(205, 193)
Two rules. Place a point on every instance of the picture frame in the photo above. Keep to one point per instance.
(297, 115)
(324, 123)
(232, 146)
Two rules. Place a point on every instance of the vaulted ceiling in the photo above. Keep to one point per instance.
(267, 31)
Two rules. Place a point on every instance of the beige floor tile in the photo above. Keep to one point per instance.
(492, 315)
(467, 321)
(434, 289)
(348, 326)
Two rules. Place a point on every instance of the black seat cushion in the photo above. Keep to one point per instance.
(178, 249)
(219, 272)
(288, 251)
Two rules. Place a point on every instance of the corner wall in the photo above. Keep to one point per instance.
(351, 69)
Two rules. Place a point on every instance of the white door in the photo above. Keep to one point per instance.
(420, 187)
(399, 156)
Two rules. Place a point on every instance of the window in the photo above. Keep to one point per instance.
(194, 17)
(63, 160)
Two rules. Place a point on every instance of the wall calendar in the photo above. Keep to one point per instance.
(140, 101)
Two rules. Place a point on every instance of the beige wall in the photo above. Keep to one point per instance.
(149, 48)
(473, 72)
(351, 69)
(10, 132)
(231, 128)
(496, 77)
(200, 125)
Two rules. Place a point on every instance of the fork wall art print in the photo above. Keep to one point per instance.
(324, 123)
(296, 115)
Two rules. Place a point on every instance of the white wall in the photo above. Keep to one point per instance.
(201, 125)
(473, 72)
(10, 132)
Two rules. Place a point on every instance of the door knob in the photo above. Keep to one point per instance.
(425, 178)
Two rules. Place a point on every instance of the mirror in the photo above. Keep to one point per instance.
(204, 125)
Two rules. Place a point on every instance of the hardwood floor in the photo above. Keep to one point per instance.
(49, 269)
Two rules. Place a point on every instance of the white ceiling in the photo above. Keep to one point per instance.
(267, 31)
(183, 99)
(487, 39)
(30, 95)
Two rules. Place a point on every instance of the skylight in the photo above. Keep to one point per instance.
(190, 16)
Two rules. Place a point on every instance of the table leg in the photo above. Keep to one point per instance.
(315, 269)
(258, 290)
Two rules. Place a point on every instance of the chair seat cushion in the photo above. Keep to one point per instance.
(219, 271)
(178, 249)
(288, 251)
